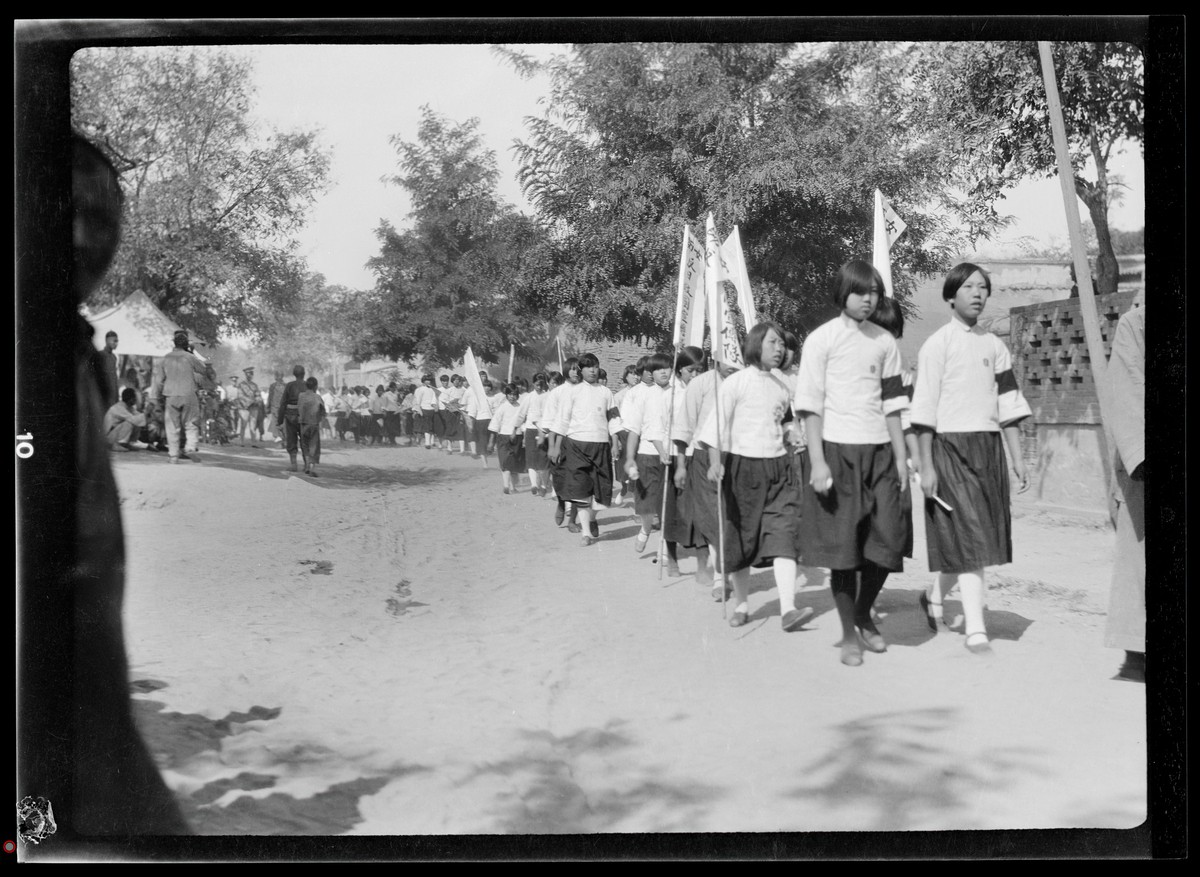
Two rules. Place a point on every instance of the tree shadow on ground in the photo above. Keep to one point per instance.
(268, 464)
(174, 739)
(887, 776)
(549, 800)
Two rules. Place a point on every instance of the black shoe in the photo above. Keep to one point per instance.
(594, 528)
(559, 514)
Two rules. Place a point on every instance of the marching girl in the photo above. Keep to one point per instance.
(341, 408)
(479, 412)
(965, 398)
(360, 404)
(554, 400)
(676, 527)
(797, 438)
(888, 315)
(507, 424)
(762, 516)
(583, 435)
(631, 382)
(700, 498)
(536, 460)
(646, 452)
(850, 393)
(424, 406)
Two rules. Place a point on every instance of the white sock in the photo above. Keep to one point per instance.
(970, 586)
(785, 583)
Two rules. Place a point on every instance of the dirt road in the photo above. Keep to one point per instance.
(398, 648)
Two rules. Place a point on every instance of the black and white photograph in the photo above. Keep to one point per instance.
(599, 439)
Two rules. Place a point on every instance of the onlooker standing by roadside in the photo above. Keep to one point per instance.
(106, 366)
(249, 404)
(177, 378)
(273, 394)
(1126, 624)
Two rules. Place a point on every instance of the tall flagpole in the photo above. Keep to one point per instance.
(716, 302)
(681, 306)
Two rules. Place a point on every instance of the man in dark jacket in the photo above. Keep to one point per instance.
(287, 415)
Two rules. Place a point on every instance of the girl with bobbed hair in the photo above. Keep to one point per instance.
(850, 392)
(762, 514)
(966, 407)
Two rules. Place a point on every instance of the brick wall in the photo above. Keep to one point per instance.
(1052, 364)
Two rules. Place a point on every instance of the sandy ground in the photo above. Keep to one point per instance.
(397, 648)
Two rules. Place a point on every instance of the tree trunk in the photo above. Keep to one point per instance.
(1107, 271)
(1095, 198)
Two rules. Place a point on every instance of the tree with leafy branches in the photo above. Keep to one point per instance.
(787, 142)
(462, 272)
(211, 202)
(989, 99)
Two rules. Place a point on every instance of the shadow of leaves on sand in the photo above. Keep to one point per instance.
(175, 738)
(892, 778)
(548, 799)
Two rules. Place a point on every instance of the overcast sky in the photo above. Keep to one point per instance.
(361, 95)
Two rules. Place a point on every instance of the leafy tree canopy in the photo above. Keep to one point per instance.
(786, 142)
(990, 100)
(462, 273)
(211, 203)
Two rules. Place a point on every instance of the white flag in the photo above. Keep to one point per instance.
(473, 381)
(726, 346)
(888, 227)
(689, 304)
(735, 270)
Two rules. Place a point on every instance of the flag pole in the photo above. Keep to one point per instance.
(716, 303)
(720, 504)
(676, 345)
(512, 355)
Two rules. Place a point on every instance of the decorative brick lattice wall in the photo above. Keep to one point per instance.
(1052, 364)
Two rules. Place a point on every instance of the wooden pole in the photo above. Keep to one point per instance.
(1083, 274)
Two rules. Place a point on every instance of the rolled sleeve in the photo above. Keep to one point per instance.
(931, 363)
(810, 383)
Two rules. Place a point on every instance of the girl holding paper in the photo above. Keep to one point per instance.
(964, 400)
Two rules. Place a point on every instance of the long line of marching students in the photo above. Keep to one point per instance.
(806, 460)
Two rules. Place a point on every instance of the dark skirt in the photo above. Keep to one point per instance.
(453, 425)
(423, 422)
(511, 454)
(587, 471)
(481, 435)
(535, 454)
(698, 517)
(862, 517)
(675, 526)
(762, 512)
(973, 480)
(647, 490)
(406, 422)
(439, 424)
(558, 473)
